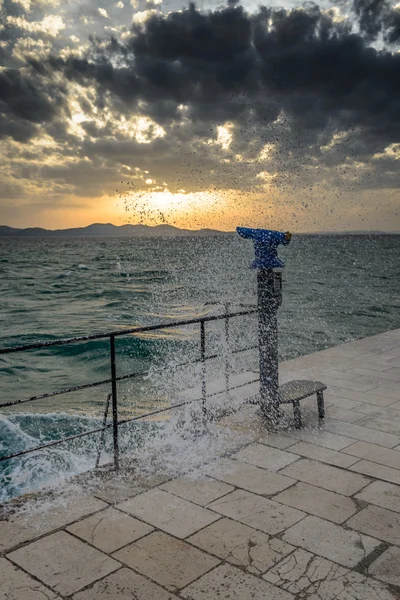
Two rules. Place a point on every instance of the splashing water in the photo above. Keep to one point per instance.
(332, 294)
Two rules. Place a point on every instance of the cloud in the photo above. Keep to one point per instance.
(226, 99)
(226, 65)
(377, 17)
(26, 101)
(50, 25)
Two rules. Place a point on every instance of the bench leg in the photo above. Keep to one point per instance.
(321, 407)
(297, 414)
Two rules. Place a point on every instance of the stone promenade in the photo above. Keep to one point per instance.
(299, 514)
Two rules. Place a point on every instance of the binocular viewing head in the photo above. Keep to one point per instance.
(266, 243)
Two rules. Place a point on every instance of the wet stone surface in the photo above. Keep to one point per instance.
(309, 514)
(241, 545)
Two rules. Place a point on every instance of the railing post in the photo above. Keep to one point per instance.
(203, 370)
(114, 401)
(101, 440)
(227, 364)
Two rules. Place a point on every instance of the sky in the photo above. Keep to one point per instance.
(279, 115)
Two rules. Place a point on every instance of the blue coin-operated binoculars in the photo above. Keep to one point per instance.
(269, 288)
(266, 244)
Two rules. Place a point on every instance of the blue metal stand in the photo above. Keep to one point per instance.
(269, 290)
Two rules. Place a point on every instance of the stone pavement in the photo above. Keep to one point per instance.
(300, 514)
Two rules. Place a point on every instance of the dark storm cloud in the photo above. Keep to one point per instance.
(228, 65)
(377, 17)
(290, 78)
(25, 102)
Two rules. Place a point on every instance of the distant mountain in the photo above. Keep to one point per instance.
(109, 230)
(4, 230)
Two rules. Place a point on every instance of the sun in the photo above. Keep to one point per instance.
(167, 201)
(164, 206)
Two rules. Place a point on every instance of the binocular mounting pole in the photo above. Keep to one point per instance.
(269, 291)
(269, 299)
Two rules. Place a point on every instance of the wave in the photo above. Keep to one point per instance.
(39, 468)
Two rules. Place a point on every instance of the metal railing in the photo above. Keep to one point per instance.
(114, 379)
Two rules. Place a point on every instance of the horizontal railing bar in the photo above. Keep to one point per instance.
(158, 411)
(56, 393)
(55, 443)
(122, 422)
(86, 386)
(121, 332)
(244, 349)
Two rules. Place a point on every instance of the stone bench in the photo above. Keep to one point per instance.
(298, 389)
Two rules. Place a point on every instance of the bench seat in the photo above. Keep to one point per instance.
(298, 389)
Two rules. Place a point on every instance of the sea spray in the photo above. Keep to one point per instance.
(168, 279)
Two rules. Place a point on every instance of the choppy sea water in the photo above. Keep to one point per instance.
(336, 289)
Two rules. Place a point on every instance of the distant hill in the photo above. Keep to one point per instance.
(109, 230)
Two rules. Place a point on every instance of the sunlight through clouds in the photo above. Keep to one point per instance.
(50, 25)
(185, 104)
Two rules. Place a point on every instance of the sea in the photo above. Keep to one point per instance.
(336, 288)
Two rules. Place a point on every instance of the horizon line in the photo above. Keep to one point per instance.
(81, 227)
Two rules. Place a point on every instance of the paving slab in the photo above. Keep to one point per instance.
(381, 493)
(277, 440)
(319, 502)
(265, 457)
(56, 514)
(342, 414)
(369, 409)
(337, 401)
(241, 545)
(387, 566)
(387, 413)
(17, 585)
(337, 459)
(379, 522)
(364, 434)
(301, 570)
(248, 477)
(171, 563)
(168, 512)
(198, 489)
(320, 437)
(388, 391)
(345, 547)
(385, 388)
(351, 586)
(391, 374)
(124, 585)
(339, 374)
(63, 563)
(348, 384)
(326, 476)
(115, 487)
(378, 368)
(376, 470)
(381, 424)
(374, 453)
(110, 529)
(365, 397)
(394, 373)
(258, 512)
(230, 583)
